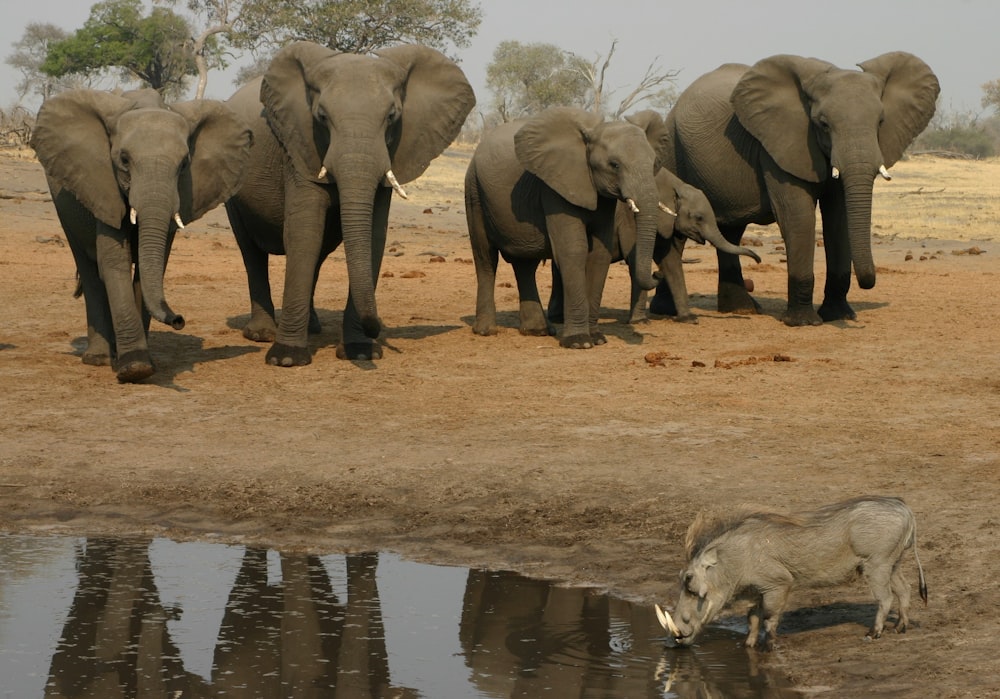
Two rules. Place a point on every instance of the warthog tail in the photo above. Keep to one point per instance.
(920, 570)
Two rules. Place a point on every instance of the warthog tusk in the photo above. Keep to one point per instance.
(836, 174)
(322, 173)
(133, 215)
(665, 208)
(631, 205)
(667, 622)
(395, 184)
(178, 221)
(885, 173)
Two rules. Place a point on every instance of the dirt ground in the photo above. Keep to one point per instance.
(509, 452)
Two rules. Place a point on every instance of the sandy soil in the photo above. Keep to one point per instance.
(507, 451)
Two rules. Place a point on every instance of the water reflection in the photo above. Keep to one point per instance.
(154, 618)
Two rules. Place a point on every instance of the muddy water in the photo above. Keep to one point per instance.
(157, 618)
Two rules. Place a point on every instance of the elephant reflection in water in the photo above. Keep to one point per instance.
(524, 637)
(115, 641)
(294, 638)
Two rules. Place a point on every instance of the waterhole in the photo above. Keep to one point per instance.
(99, 617)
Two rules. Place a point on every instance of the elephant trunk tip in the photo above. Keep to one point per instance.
(174, 321)
(866, 281)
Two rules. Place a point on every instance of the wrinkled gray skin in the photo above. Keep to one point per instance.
(105, 154)
(762, 143)
(763, 557)
(548, 187)
(330, 127)
(692, 218)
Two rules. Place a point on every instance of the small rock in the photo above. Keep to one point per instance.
(412, 274)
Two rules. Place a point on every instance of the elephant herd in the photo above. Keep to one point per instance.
(308, 156)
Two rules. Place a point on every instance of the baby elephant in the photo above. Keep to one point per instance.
(763, 556)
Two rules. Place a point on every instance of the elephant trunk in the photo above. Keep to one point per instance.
(356, 207)
(155, 236)
(858, 185)
(714, 236)
(646, 224)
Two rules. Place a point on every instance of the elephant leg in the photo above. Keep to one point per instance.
(556, 310)
(570, 253)
(672, 271)
(598, 263)
(114, 260)
(532, 320)
(837, 249)
(355, 344)
(733, 294)
(262, 326)
(795, 212)
(305, 216)
(100, 349)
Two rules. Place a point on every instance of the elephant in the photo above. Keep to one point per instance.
(337, 133)
(766, 143)
(685, 213)
(547, 188)
(125, 172)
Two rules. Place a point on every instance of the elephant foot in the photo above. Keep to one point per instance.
(96, 359)
(836, 310)
(287, 355)
(134, 366)
(800, 316)
(734, 298)
(582, 341)
(538, 332)
(260, 331)
(359, 351)
(686, 318)
(484, 330)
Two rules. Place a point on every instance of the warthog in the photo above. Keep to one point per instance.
(763, 556)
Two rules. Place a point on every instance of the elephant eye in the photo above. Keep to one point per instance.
(614, 164)
(185, 163)
(123, 158)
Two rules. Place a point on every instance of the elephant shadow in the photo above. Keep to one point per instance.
(175, 354)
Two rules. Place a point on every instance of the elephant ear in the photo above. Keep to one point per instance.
(285, 94)
(438, 98)
(219, 146)
(772, 105)
(657, 133)
(553, 146)
(909, 97)
(73, 145)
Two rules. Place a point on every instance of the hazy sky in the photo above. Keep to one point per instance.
(959, 39)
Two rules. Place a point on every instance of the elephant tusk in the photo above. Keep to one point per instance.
(667, 622)
(133, 215)
(322, 173)
(836, 174)
(395, 184)
(178, 221)
(631, 205)
(665, 208)
(885, 173)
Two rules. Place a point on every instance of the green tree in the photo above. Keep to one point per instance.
(357, 26)
(527, 78)
(155, 49)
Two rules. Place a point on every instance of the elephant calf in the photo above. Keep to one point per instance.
(685, 213)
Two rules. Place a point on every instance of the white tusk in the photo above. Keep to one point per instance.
(133, 215)
(885, 173)
(322, 173)
(395, 184)
(178, 221)
(666, 621)
(836, 174)
(631, 205)
(666, 209)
